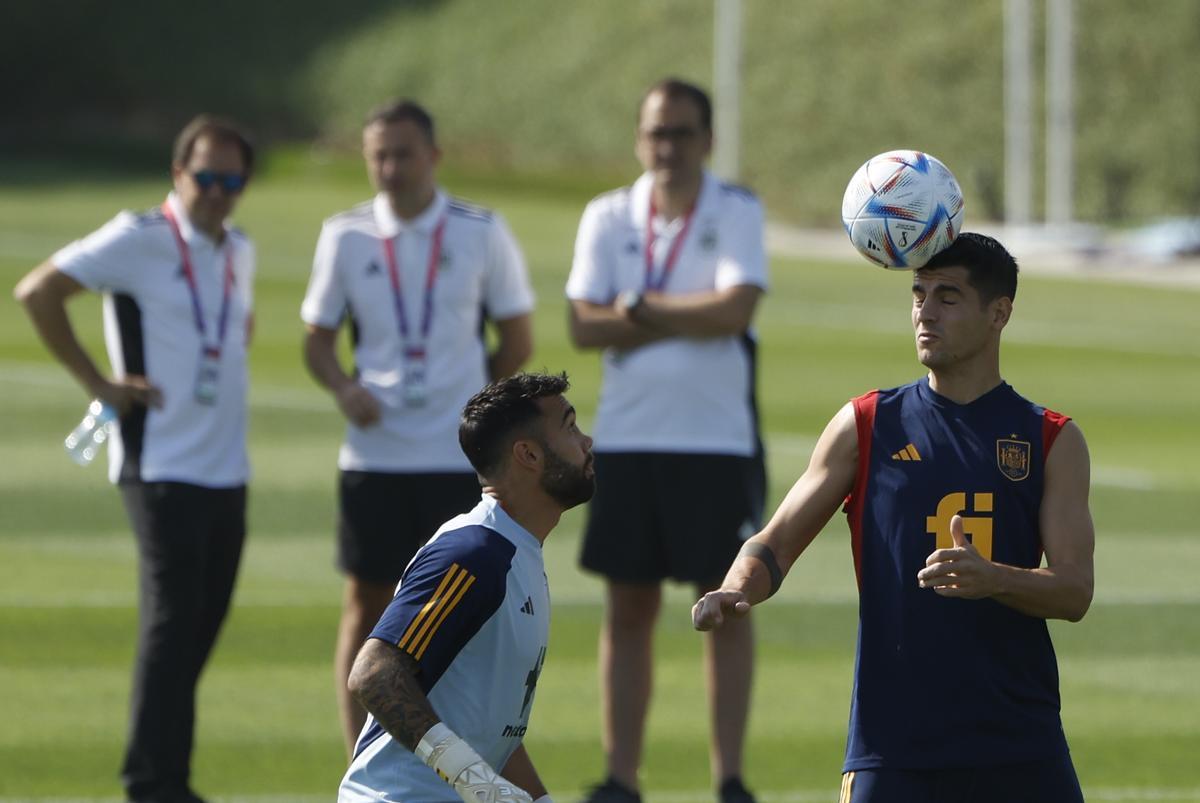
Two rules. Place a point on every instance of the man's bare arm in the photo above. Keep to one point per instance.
(320, 355)
(44, 292)
(384, 680)
(514, 346)
(806, 509)
(714, 313)
(601, 326)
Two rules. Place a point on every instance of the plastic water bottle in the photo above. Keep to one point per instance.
(84, 442)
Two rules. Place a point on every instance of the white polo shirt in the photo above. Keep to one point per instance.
(480, 274)
(691, 395)
(150, 328)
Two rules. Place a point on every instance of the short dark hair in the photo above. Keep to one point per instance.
(991, 270)
(675, 88)
(395, 111)
(501, 411)
(219, 129)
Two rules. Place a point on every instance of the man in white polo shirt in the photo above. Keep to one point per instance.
(666, 277)
(177, 285)
(416, 274)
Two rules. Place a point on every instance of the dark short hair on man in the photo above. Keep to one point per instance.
(500, 413)
(991, 270)
(217, 129)
(395, 111)
(674, 89)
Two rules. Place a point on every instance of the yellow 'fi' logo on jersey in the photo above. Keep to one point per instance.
(1012, 456)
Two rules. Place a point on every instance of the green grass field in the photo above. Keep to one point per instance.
(1123, 360)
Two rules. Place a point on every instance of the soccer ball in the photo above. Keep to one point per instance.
(901, 208)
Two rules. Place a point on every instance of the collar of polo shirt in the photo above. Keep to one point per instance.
(639, 201)
(390, 225)
(186, 229)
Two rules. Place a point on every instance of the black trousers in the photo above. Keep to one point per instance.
(189, 542)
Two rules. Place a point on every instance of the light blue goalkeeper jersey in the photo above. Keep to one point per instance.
(473, 609)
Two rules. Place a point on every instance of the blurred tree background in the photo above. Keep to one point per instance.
(541, 87)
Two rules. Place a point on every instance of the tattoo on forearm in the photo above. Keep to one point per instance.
(389, 690)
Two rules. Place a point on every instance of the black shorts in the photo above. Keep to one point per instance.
(661, 515)
(384, 517)
(1050, 780)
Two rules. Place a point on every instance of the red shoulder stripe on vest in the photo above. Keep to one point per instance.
(864, 418)
(1052, 424)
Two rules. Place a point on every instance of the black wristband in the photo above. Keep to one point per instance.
(762, 552)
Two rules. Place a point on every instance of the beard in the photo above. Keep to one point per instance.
(567, 484)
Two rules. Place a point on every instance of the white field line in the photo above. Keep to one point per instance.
(276, 397)
(1131, 794)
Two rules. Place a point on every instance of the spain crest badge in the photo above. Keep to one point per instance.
(1012, 457)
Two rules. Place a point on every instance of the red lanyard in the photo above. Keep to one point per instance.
(435, 256)
(190, 276)
(672, 252)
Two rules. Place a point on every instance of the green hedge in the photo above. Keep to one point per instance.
(546, 86)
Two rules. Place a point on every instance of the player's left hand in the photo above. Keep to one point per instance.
(960, 571)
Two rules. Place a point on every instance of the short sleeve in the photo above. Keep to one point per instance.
(591, 276)
(507, 292)
(451, 588)
(106, 260)
(744, 258)
(325, 300)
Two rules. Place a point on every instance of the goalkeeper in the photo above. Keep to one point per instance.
(448, 675)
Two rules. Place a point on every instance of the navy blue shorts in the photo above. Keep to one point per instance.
(658, 516)
(384, 518)
(1047, 781)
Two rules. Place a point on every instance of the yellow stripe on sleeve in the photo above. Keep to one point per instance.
(912, 450)
(445, 612)
(434, 614)
(438, 596)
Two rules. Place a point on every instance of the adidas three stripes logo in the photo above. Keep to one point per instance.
(907, 453)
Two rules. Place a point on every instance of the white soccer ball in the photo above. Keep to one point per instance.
(901, 208)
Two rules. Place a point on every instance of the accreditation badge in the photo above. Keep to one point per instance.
(415, 388)
(208, 375)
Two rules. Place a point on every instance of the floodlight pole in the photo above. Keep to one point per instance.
(727, 73)
(1018, 129)
(1059, 119)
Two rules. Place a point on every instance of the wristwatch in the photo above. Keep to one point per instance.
(629, 301)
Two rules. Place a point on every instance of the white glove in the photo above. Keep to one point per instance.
(459, 765)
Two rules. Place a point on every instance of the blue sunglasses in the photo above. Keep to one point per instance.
(230, 183)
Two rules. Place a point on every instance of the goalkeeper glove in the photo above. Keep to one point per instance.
(459, 765)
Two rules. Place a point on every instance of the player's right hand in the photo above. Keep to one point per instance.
(358, 404)
(457, 763)
(479, 783)
(711, 609)
(128, 392)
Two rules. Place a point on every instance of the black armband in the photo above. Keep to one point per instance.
(763, 553)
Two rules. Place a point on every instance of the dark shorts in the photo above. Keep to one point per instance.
(662, 515)
(1047, 781)
(384, 518)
